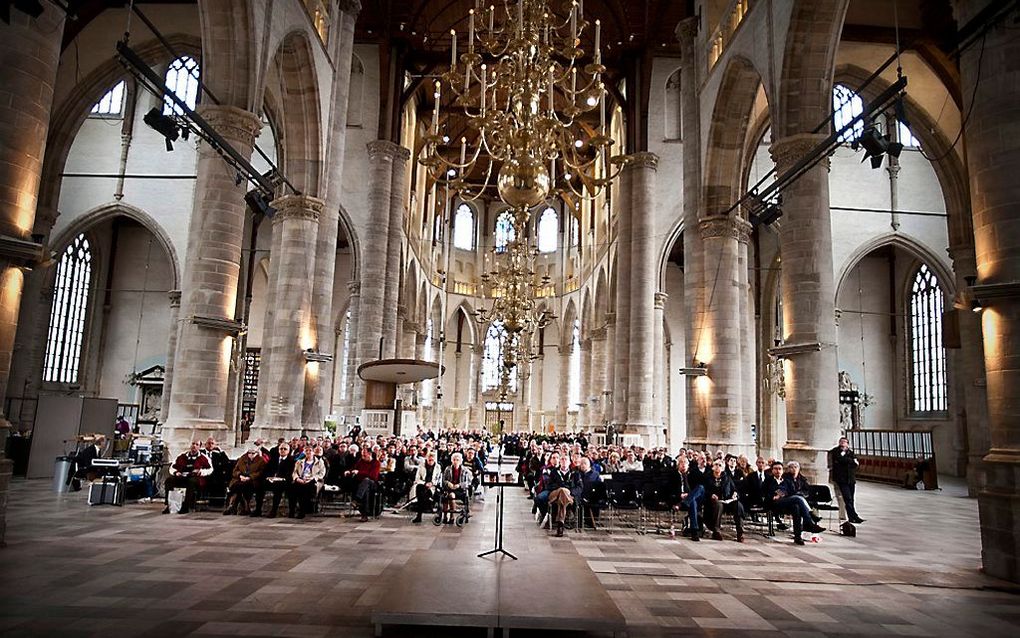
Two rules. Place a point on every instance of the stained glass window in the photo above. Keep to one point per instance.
(66, 333)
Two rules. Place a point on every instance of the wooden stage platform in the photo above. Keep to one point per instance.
(449, 589)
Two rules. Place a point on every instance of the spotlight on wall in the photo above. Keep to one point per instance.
(699, 369)
(258, 203)
(164, 125)
(768, 213)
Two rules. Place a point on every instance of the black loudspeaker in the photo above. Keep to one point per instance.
(848, 529)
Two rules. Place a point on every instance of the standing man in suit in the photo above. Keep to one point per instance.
(843, 474)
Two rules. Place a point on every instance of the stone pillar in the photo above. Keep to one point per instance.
(809, 309)
(538, 395)
(748, 347)
(381, 155)
(598, 387)
(408, 341)
(350, 409)
(661, 373)
(30, 54)
(171, 349)
(279, 409)
(719, 344)
(398, 191)
(584, 414)
(198, 398)
(621, 350)
(993, 162)
(970, 372)
(694, 275)
(317, 386)
(563, 389)
(643, 286)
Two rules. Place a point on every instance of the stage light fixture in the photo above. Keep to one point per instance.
(259, 204)
(164, 125)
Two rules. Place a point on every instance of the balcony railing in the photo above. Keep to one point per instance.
(732, 17)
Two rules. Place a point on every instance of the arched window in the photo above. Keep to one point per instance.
(345, 355)
(464, 228)
(846, 105)
(575, 232)
(111, 104)
(492, 358)
(437, 228)
(548, 228)
(574, 386)
(927, 355)
(905, 137)
(67, 318)
(505, 232)
(182, 79)
(672, 106)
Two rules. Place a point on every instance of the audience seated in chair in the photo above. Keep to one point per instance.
(365, 474)
(561, 484)
(425, 487)
(721, 496)
(278, 475)
(306, 480)
(245, 480)
(188, 471)
(783, 491)
(456, 486)
(690, 497)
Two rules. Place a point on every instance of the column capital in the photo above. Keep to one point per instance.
(730, 227)
(660, 300)
(350, 7)
(600, 333)
(962, 252)
(687, 29)
(643, 159)
(175, 298)
(379, 149)
(231, 122)
(789, 150)
(610, 319)
(410, 325)
(354, 287)
(299, 207)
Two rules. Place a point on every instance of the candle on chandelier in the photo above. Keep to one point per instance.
(471, 31)
(573, 82)
(435, 111)
(520, 17)
(484, 87)
(463, 151)
(453, 49)
(573, 24)
(602, 109)
(552, 92)
(492, 15)
(598, 42)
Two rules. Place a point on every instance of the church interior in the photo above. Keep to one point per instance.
(622, 235)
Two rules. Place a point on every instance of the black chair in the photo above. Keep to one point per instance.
(595, 499)
(624, 496)
(820, 499)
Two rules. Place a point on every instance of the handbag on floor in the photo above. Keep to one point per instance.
(175, 499)
(848, 529)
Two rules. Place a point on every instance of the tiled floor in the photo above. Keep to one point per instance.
(72, 570)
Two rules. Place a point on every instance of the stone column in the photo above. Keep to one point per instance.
(720, 340)
(622, 346)
(661, 368)
(350, 410)
(598, 375)
(748, 347)
(198, 398)
(538, 395)
(993, 162)
(476, 411)
(171, 349)
(381, 155)
(690, 130)
(971, 373)
(317, 386)
(279, 409)
(30, 54)
(584, 414)
(809, 309)
(643, 286)
(563, 389)
(398, 190)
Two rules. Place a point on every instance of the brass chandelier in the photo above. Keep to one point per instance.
(523, 85)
